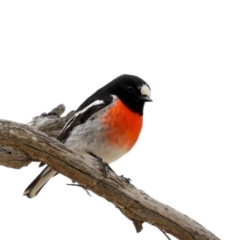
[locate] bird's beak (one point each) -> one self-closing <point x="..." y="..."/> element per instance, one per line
<point x="146" y="98"/>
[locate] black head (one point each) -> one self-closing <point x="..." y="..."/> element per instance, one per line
<point x="132" y="90"/>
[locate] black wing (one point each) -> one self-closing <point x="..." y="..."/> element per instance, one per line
<point x="81" y="116"/>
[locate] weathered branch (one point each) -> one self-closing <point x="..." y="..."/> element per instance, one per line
<point x="50" y="123"/>
<point x="12" y="158"/>
<point x="133" y="203"/>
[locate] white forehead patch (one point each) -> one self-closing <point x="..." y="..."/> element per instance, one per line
<point x="145" y="90"/>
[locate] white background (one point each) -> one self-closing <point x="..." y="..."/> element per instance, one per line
<point x="187" y="156"/>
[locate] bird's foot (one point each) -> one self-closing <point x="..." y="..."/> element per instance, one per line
<point x="104" y="166"/>
<point x="127" y="180"/>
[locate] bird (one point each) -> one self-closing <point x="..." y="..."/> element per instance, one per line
<point x="105" y="126"/>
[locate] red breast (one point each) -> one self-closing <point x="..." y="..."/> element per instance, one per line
<point x="124" y="126"/>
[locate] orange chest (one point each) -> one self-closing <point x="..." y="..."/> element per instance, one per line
<point x="124" y="126"/>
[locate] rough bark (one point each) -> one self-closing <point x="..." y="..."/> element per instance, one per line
<point x="50" y="123"/>
<point x="132" y="202"/>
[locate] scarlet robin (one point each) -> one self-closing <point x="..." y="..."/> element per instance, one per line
<point x="106" y="125"/>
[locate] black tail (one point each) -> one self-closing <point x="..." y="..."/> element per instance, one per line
<point x="38" y="183"/>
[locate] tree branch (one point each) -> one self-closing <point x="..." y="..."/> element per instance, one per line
<point x="12" y="158"/>
<point x="133" y="203"/>
<point x="50" y="123"/>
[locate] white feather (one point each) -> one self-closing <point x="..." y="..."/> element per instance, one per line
<point x="97" y="102"/>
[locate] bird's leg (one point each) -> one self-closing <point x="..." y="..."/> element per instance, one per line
<point x="104" y="166"/>
<point x="79" y="185"/>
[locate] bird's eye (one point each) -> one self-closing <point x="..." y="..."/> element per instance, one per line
<point x="130" y="89"/>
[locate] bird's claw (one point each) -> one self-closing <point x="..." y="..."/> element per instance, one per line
<point x="104" y="166"/>
<point x="78" y="185"/>
<point x="127" y="180"/>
